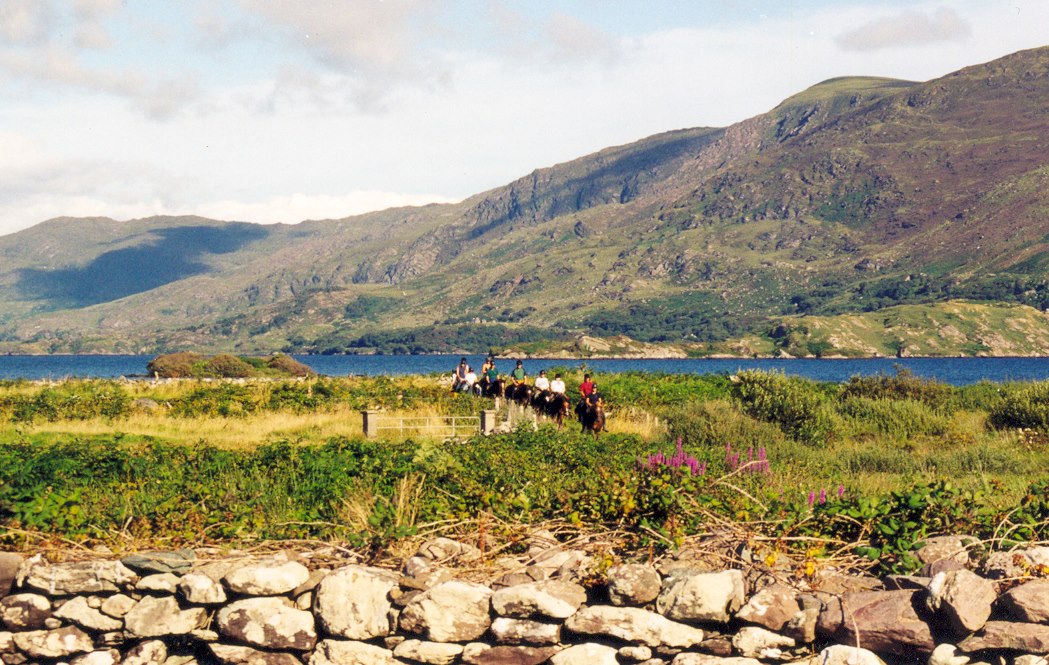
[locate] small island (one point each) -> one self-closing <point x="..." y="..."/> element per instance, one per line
<point x="186" y="365"/>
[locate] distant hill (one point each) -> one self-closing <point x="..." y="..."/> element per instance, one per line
<point x="852" y="197"/>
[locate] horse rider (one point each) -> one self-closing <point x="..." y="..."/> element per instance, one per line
<point x="459" y="375"/>
<point x="518" y="375"/>
<point x="585" y="389"/>
<point x="541" y="382"/>
<point x="557" y="386"/>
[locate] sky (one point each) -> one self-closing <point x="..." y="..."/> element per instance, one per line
<point x="284" y="110"/>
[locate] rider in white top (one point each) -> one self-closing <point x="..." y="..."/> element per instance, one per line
<point x="541" y="382"/>
<point x="557" y="386"/>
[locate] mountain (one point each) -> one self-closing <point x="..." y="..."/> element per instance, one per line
<point x="854" y="196"/>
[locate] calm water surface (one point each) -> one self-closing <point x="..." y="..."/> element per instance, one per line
<point x="957" y="371"/>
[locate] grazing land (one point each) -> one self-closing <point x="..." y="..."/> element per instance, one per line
<point x="870" y="466"/>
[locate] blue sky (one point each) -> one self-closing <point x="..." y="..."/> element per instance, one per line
<point x="284" y="110"/>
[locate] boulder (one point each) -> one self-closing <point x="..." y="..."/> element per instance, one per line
<point x="79" y="612"/>
<point x="772" y="607"/>
<point x="269" y="623"/>
<point x="757" y="642"/>
<point x="632" y="624"/>
<point x="945" y="548"/>
<point x="117" y="605"/>
<point x="634" y="654"/>
<point x="354" y="602"/>
<point x="267" y="578"/>
<point x="706" y="659"/>
<point x="884" y="622"/>
<point x="506" y="630"/>
<point x="448" y="550"/>
<point x="945" y="654"/>
<point x="24" y="611"/>
<point x="692" y="596"/>
<point x="342" y="652"/>
<point x="449" y="612"/>
<point x="432" y="653"/>
<point x="228" y="654"/>
<point x="633" y="584"/>
<point x="586" y="654"/>
<point x="200" y="589"/>
<point x="1028" y="602"/>
<point x="963" y="598"/>
<point x="69" y="579"/>
<point x="10" y="563"/>
<point x="147" y="563"/>
<point x="58" y="643"/>
<point x="1012" y="635"/>
<point x="148" y="652"/>
<point x="555" y="599"/>
<point x="161" y="616"/>
<point x="483" y="654"/>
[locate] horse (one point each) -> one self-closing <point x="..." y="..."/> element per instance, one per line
<point x="592" y="417"/>
<point x="494" y="388"/>
<point x="521" y="393"/>
<point x="555" y="406"/>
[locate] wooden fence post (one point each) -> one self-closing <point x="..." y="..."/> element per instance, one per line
<point x="488" y="421"/>
<point x="370" y="423"/>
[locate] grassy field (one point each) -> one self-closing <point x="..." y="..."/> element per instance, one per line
<point x="878" y="463"/>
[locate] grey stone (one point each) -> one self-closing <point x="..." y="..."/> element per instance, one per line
<point x="148" y="652"/>
<point x="704" y="659"/>
<point x="944" y="654"/>
<point x="117" y="605"/>
<point x="761" y="643"/>
<point x="267" y="578"/>
<point x="432" y="653"/>
<point x="556" y="599"/>
<point x="102" y="657"/>
<point x="692" y="596"/>
<point x="269" y="623"/>
<point x="507" y="630"/>
<point x="963" y="598"/>
<point x="1011" y="635"/>
<point x="633" y="624"/>
<point x="342" y="652"/>
<point x="24" y="611"/>
<point x="483" y="654"/>
<point x="158" y="583"/>
<point x="354" y="602"/>
<point x="840" y="654"/>
<point x="772" y="607"/>
<point x="10" y="563"/>
<point x="53" y="643"/>
<point x="884" y="621"/>
<point x="447" y="550"/>
<point x="160" y="616"/>
<point x="228" y="654"/>
<point x="635" y="654"/>
<point x="449" y="612"/>
<point x="941" y="548"/>
<point x="147" y="563"/>
<point x="68" y="579"/>
<point x="79" y="612"/>
<point x="633" y="584"/>
<point x="200" y="589"/>
<point x="586" y="654"/>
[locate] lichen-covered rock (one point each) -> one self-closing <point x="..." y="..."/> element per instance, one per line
<point x="24" y="611"/>
<point x="117" y="605"/>
<point x="772" y="607"/>
<point x="57" y="643"/>
<point x="10" y="563"/>
<point x="201" y="589"/>
<point x="884" y="621"/>
<point x="963" y="598"/>
<point x="354" y="602"/>
<point x="761" y="643"/>
<point x="484" y="654"/>
<point x="267" y="578"/>
<point x="692" y="596"/>
<point x="446" y="550"/>
<point x="945" y="654"/>
<point x="586" y="654"/>
<point x="237" y="655"/>
<point x="633" y="584"/>
<point x="432" y="653"/>
<point x="342" y="652"/>
<point x="102" y="657"/>
<point x="68" y="579"/>
<point x="941" y="548"/>
<point x="270" y="623"/>
<point x="555" y="599"/>
<point x="705" y="659"/>
<point x="161" y="616"/>
<point x="839" y="654"/>
<point x="633" y="624"/>
<point x="634" y="654"/>
<point x="1028" y="602"/>
<point x="147" y="652"/>
<point x="449" y="612"/>
<point x="507" y="630"/>
<point x="1011" y="635"/>
<point x="79" y="612"/>
<point x="158" y="583"/>
<point x="147" y="563"/>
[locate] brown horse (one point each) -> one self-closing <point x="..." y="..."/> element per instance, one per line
<point x="555" y="406"/>
<point x="592" y="417"/>
<point x="493" y="389"/>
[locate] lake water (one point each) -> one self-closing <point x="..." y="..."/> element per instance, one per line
<point x="956" y="371"/>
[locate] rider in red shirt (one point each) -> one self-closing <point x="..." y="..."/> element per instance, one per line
<point x="586" y="387"/>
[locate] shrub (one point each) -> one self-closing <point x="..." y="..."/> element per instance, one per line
<point x="795" y="405"/>
<point x="900" y="418"/>
<point x="229" y="367"/>
<point x="289" y="366"/>
<point x="175" y="365"/>
<point x="1026" y="407"/>
<point x="903" y="385"/>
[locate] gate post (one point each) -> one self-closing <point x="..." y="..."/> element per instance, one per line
<point x="487" y="421"/>
<point x="370" y="423"/>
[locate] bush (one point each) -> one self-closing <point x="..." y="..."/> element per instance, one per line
<point x="795" y="405"/>
<point x="900" y="418"/>
<point x="903" y="385"/>
<point x="175" y="365"/>
<point x="229" y="367"/>
<point x="1026" y="407"/>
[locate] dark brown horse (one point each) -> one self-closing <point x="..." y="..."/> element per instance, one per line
<point x="493" y="389"/>
<point x="592" y="417"/>
<point x="521" y="393"/>
<point x="555" y="406"/>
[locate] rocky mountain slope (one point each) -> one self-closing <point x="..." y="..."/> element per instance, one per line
<point x="853" y="196"/>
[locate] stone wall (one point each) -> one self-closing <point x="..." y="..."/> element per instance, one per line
<point x="448" y="604"/>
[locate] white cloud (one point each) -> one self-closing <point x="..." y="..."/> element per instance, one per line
<point x="26" y="22"/>
<point x="909" y="28"/>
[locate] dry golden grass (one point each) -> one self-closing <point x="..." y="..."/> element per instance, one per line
<point x="638" y="422"/>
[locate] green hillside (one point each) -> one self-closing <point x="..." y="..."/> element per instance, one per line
<point x="859" y="199"/>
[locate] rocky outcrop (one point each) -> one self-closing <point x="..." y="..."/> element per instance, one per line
<point x="281" y="611"/>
